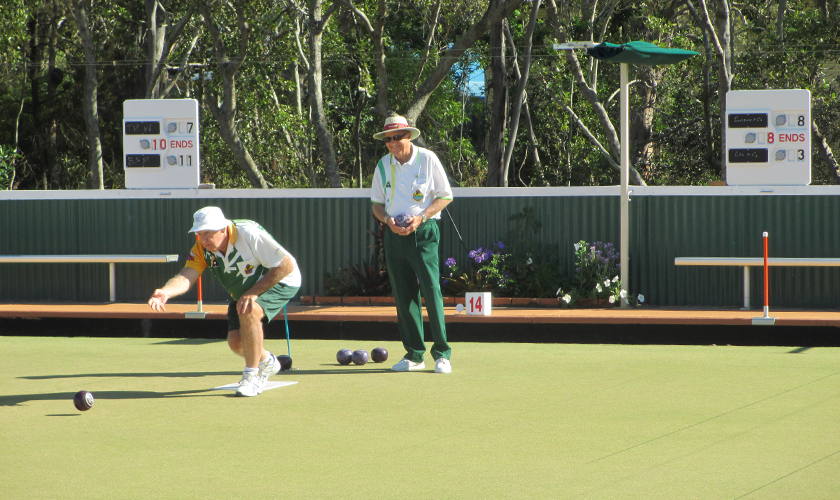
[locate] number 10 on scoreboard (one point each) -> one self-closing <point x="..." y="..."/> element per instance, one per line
<point x="478" y="303"/>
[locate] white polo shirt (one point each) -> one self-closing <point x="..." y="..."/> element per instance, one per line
<point x="412" y="186"/>
<point x="250" y="254"/>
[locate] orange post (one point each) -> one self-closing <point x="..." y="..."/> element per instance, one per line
<point x="766" y="281"/>
<point x="766" y="319"/>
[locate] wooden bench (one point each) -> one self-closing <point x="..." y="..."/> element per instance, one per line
<point x="111" y="260"/>
<point x="747" y="262"/>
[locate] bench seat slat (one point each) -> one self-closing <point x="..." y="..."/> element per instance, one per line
<point x="756" y="261"/>
<point x="100" y="259"/>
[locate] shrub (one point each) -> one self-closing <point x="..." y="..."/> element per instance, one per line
<point x="596" y="274"/>
<point x="483" y="272"/>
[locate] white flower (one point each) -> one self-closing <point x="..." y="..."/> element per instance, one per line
<point x="598" y="288"/>
<point x="640" y="298"/>
<point x="567" y="298"/>
<point x="623" y="294"/>
<point x="577" y="247"/>
<point x="607" y="283"/>
<point x="529" y="261"/>
<point x="615" y="279"/>
<point x="559" y="291"/>
<point x="612" y="299"/>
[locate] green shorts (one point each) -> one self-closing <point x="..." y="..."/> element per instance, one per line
<point x="272" y="302"/>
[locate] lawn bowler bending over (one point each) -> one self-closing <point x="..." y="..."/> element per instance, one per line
<point x="259" y="274"/>
<point x="410" y="180"/>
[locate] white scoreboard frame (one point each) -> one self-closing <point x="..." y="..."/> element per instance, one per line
<point x="768" y="137"/>
<point x="160" y="144"/>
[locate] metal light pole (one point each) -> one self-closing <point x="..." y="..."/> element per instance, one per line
<point x="624" y="139"/>
<point x="629" y="53"/>
<point x="624" y="244"/>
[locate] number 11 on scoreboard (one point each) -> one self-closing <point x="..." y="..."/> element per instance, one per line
<point x="478" y="303"/>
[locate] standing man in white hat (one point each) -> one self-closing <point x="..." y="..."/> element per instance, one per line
<point x="260" y="275"/>
<point x="410" y="180"/>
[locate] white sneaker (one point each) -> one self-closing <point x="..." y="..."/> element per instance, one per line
<point x="249" y="386"/>
<point x="268" y="368"/>
<point x="406" y="364"/>
<point x="442" y="365"/>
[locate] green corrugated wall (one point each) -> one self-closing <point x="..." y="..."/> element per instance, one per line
<point x="329" y="232"/>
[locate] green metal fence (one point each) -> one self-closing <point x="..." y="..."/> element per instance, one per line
<point x="325" y="229"/>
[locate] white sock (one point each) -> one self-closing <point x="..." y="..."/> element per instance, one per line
<point x="251" y="370"/>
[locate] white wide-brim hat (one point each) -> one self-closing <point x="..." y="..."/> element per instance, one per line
<point x="209" y="219"/>
<point x="394" y="123"/>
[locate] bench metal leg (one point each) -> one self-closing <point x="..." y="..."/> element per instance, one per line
<point x="112" y="276"/>
<point x="746" y="288"/>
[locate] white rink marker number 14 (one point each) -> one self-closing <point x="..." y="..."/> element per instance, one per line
<point x="478" y="303"/>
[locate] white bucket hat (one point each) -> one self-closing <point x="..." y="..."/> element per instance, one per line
<point x="394" y="123"/>
<point x="209" y="219"/>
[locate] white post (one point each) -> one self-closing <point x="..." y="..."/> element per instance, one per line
<point x="112" y="278"/>
<point x="746" y="288"/>
<point x="624" y="249"/>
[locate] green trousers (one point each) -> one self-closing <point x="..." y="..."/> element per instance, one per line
<point x="413" y="268"/>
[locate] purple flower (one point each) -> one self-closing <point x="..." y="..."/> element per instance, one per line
<point x="472" y="254"/>
<point x="478" y="259"/>
<point x="445" y="281"/>
<point x="500" y="244"/>
<point x="450" y="262"/>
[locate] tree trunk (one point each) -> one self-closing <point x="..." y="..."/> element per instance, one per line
<point x="158" y="49"/>
<point x="154" y="45"/>
<point x="709" y="155"/>
<point x="317" y="23"/>
<point x="491" y="17"/>
<point x="35" y="52"/>
<point x="54" y="78"/>
<point x="641" y="120"/>
<point x="721" y="39"/>
<point x="825" y="152"/>
<point x="497" y="98"/>
<point x="522" y="81"/>
<point x="592" y="97"/>
<point x="424" y="90"/>
<point x="532" y="138"/>
<point x="225" y="113"/>
<point x="780" y="21"/>
<point x="89" y="99"/>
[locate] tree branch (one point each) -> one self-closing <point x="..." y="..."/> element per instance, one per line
<point x="424" y="91"/>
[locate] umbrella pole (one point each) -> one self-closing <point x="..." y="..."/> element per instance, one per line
<point x="624" y="249"/>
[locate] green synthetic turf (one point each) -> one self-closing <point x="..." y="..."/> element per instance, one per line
<point x="545" y="421"/>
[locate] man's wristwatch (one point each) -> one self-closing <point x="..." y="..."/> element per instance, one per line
<point x="423" y="216"/>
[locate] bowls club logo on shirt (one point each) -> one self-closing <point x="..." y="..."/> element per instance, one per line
<point x="245" y="270"/>
<point x="417" y="195"/>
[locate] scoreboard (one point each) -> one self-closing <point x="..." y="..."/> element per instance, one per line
<point x="160" y="143"/>
<point x="768" y="137"/>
